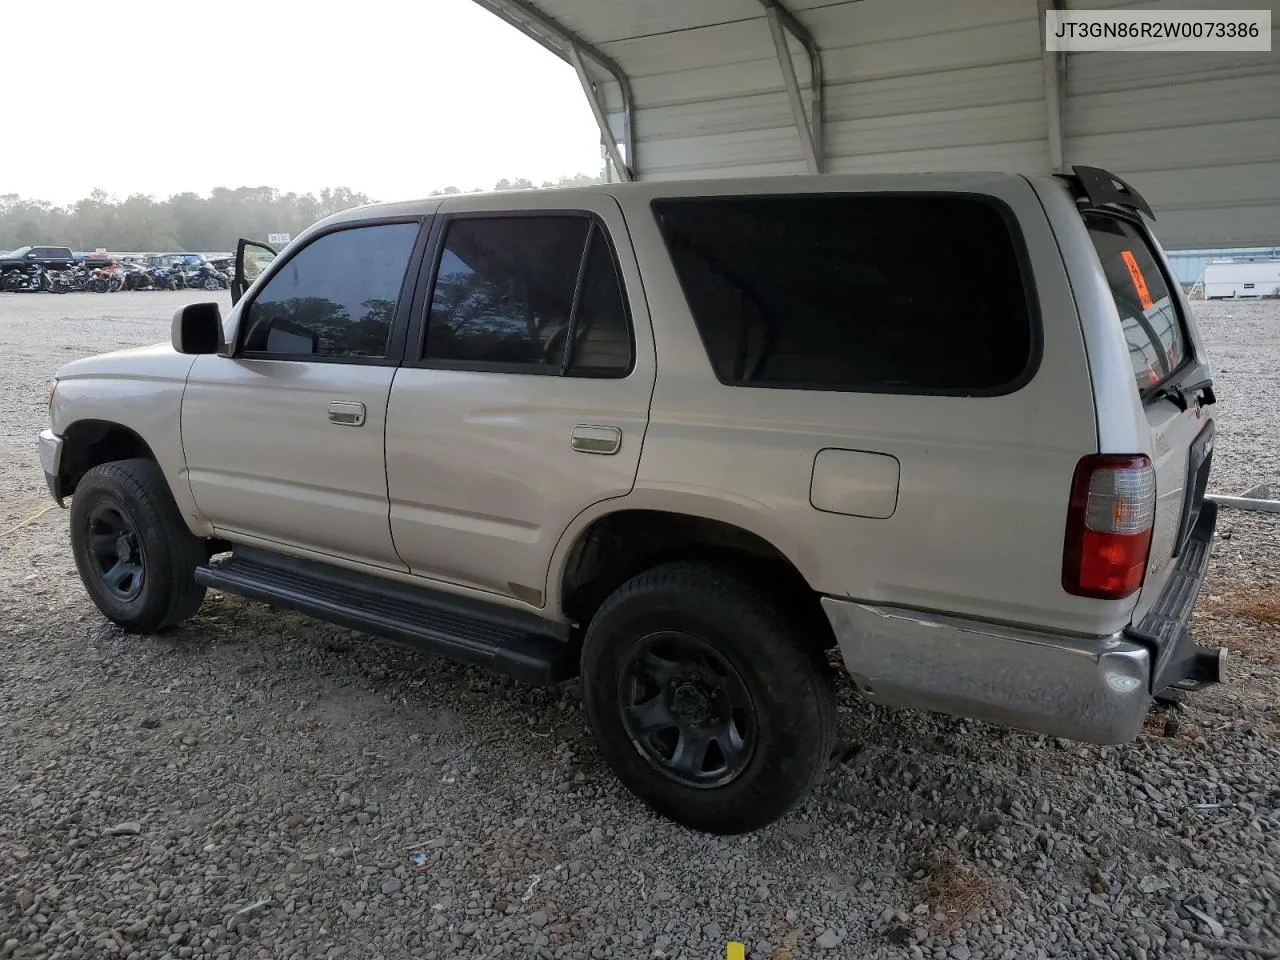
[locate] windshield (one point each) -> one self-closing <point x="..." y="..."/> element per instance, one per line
<point x="1148" y="310"/>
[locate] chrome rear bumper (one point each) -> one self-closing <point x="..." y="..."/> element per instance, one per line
<point x="1096" y="689"/>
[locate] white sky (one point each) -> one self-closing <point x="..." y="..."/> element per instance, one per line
<point x="391" y="98"/>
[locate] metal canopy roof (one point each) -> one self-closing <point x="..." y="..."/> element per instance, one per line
<point x="691" y="88"/>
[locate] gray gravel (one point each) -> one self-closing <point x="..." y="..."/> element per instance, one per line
<point x="256" y="784"/>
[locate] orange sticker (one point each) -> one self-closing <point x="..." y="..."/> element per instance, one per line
<point x="1139" y="282"/>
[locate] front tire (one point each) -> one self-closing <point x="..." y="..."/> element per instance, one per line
<point x="135" y="555"/>
<point x="706" y="698"/>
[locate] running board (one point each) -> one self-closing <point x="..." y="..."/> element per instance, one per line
<point x="508" y="641"/>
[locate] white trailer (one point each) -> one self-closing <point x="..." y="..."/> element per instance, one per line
<point x="1230" y="279"/>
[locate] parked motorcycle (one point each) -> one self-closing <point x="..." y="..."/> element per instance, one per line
<point x="162" y="279"/>
<point x="73" y="280"/>
<point x="55" y="282"/>
<point x="205" y="277"/>
<point x="100" y="282"/>
<point x="24" y="278"/>
<point x="137" y="277"/>
<point x="106" y="280"/>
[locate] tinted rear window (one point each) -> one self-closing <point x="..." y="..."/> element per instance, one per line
<point x="901" y="294"/>
<point x="1148" y="311"/>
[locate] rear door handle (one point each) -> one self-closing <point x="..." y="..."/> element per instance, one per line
<point x="595" y="438"/>
<point x="348" y="413"/>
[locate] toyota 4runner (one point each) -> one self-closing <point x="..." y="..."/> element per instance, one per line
<point x="680" y="440"/>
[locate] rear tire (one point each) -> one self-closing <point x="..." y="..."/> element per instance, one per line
<point x="690" y="661"/>
<point x="135" y="555"/>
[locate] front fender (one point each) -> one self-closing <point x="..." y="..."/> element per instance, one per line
<point x="142" y="391"/>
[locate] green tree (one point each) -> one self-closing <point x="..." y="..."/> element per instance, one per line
<point x="189" y="221"/>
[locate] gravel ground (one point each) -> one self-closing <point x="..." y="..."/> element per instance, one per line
<point x="256" y="784"/>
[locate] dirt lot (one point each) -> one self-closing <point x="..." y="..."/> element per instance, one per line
<point x="259" y="785"/>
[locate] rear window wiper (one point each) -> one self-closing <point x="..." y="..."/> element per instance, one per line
<point x="1179" y="393"/>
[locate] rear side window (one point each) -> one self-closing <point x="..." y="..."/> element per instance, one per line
<point x="504" y="290"/>
<point x="1148" y="311"/>
<point x="887" y="293"/>
<point x="529" y="294"/>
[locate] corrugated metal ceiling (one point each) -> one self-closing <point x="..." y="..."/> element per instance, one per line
<point x="916" y="85"/>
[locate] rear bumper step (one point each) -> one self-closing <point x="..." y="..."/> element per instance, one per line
<point x="1176" y="658"/>
<point x="521" y="646"/>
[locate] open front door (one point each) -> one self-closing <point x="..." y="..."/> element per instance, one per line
<point x="252" y="258"/>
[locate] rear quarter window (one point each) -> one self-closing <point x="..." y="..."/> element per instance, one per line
<point x="875" y="293"/>
<point x="1153" y="329"/>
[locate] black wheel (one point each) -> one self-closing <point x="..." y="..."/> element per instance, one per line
<point x="134" y="552"/>
<point x="706" y="698"/>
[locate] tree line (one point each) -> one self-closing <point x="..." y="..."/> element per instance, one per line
<point x="190" y="221"/>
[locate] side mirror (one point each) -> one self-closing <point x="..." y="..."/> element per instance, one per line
<point x="197" y="328"/>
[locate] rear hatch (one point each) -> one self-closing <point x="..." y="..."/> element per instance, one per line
<point x="1173" y="382"/>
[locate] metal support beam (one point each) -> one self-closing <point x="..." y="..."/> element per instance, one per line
<point x="1054" y="63"/>
<point x="782" y="22"/>
<point x="597" y="109"/>
<point x="573" y="49"/>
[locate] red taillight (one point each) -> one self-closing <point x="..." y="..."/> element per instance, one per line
<point x="1109" y="519"/>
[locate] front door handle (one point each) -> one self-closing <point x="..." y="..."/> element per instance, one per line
<point x="595" y="438"/>
<point x="348" y="413"/>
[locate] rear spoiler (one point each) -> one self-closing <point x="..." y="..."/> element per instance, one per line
<point x="1101" y="187"/>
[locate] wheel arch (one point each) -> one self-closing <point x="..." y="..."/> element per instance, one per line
<point x="620" y="539"/>
<point x="86" y="443"/>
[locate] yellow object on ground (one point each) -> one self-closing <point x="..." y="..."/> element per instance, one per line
<point x="30" y="519"/>
<point x="733" y="950"/>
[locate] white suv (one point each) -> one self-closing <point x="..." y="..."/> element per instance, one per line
<point x="681" y="439"/>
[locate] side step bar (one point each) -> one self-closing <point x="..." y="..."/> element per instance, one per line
<point x="508" y="641"/>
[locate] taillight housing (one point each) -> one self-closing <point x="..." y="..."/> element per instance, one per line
<point x="1109" y="521"/>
